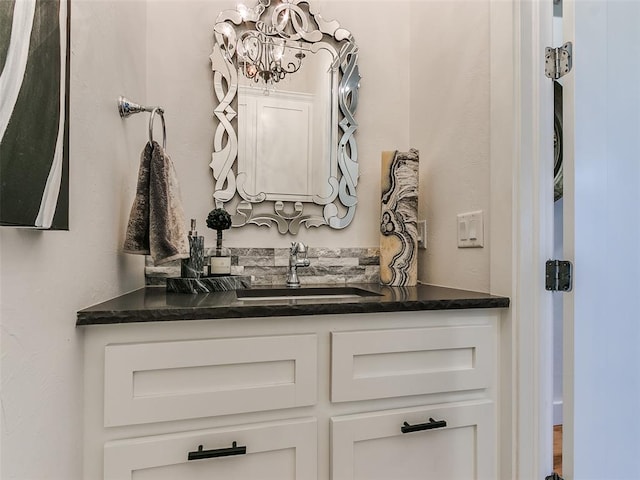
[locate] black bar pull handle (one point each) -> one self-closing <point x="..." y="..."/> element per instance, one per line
<point x="218" y="452"/>
<point x="430" y="425"/>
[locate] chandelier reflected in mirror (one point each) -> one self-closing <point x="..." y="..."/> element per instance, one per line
<point x="267" y="59"/>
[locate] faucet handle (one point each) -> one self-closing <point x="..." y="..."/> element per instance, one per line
<point x="298" y="247"/>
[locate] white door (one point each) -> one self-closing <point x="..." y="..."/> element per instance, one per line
<point x="602" y="239"/>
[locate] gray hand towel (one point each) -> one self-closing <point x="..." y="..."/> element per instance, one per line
<point x="157" y="223"/>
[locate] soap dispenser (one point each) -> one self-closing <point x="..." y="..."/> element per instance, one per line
<point x="192" y="267"/>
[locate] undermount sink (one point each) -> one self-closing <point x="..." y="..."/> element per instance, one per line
<point x="285" y="293"/>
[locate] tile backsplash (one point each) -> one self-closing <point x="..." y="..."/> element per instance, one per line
<point x="268" y="266"/>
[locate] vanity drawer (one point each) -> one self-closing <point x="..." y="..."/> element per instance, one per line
<point x="283" y="450"/>
<point x="162" y="381"/>
<point x="393" y="363"/>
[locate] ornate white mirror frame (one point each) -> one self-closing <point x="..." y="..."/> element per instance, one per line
<point x="293" y="23"/>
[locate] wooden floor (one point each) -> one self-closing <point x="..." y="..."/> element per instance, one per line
<point x="557" y="449"/>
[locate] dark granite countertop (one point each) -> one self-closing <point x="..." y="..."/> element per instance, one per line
<point x="154" y="304"/>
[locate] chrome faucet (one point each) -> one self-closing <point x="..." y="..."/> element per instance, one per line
<point x="297" y="258"/>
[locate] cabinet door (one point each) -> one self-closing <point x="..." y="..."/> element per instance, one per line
<point x="275" y="450"/>
<point x="372" y="446"/>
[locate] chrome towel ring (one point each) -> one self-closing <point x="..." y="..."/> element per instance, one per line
<point x="126" y="107"/>
<point x="160" y="112"/>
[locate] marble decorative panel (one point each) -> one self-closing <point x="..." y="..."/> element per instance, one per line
<point x="221" y="283"/>
<point x="399" y="219"/>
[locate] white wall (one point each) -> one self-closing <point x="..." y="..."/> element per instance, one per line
<point x="558" y="216"/>
<point x="180" y="78"/>
<point x="425" y="84"/>
<point x="449" y="124"/>
<point x="557" y="315"/>
<point x="47" y="276"/>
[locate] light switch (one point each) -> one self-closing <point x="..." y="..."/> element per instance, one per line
<point x="462" y="229"/>
<point x="422" y="234"/>
<point x="471" y="230"/>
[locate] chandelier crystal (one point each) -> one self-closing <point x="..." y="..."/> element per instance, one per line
<point x="267" y="59"/>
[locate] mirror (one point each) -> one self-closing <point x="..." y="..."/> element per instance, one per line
<point x="302" y="108"/>
<point x="286" y="82"/>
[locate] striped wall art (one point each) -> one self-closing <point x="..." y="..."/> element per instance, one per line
<point x="34" y="105"/>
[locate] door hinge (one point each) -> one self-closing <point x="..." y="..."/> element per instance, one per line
<point x="558" y="61"/>
<point x="558" y="275"/>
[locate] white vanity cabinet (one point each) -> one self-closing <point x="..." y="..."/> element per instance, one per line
<point x="303" y="397"/>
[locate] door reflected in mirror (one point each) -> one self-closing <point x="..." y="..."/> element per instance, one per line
<point x="287" y="131"/>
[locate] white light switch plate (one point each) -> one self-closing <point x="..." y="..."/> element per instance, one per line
<point x="471" y="229"/>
